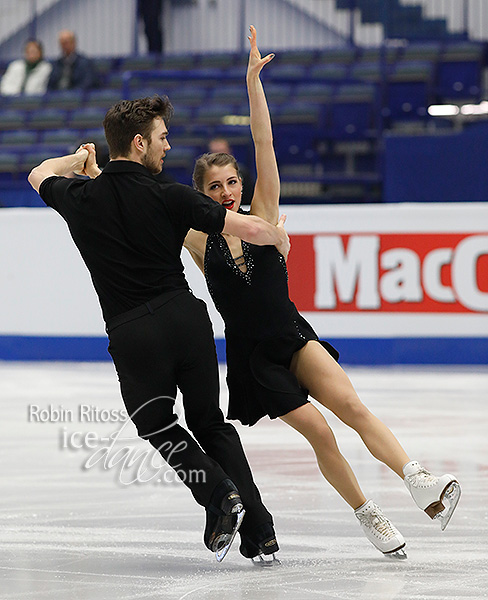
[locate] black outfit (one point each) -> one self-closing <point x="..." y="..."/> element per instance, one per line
<point x="75" y="71"/>
<point x="151" y="12"/>
<point x="263" y="330"/>
<point x="129" y="229"/>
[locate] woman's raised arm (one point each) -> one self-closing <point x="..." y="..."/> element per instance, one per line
<point x="265" y="202"/>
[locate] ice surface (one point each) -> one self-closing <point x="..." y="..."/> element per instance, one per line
<point x="70" y="532"/>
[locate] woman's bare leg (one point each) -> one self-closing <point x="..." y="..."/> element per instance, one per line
<point x="312" y="425"/>
<point x="318" y="372"/>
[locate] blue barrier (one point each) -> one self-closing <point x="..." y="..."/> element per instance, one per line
<point x="353" y="351"/>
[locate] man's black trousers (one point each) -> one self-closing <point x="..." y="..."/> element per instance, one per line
<point x="168" y="344"/>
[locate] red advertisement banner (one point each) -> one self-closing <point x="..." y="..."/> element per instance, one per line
<point x="385" y="272"/>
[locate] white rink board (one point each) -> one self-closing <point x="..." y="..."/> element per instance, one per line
<point x="47" y="290"/>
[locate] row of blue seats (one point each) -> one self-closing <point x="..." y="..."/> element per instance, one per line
<point x="428" y="50"/>
<point x="187" y="93"/>
<point x="323" y="118"/>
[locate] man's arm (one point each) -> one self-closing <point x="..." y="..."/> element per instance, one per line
<point x="59" y="166"/>
<point x="257" y="231"/>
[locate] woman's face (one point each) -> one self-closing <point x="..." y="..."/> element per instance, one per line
<point x="224" y="186"/>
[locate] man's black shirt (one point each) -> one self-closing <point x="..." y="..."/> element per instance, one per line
<point x="129" y="229"/>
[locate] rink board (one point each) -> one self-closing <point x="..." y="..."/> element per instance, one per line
<point x="389" y="284"/>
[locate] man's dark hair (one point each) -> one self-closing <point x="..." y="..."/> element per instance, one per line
<point x="127" y="118"/>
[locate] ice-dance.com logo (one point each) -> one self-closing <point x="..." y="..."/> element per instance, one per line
<point x="120" y="451"/>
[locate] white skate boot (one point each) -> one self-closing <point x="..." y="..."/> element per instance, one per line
<point x="429" y="492"/>
<point x="380" y="531"/>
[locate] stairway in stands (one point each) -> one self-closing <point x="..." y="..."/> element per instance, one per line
<point x="399" y="20"/>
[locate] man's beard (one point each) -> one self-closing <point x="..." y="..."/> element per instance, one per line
<point x="151" y="165"/>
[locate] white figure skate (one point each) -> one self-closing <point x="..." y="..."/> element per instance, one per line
<point x="380" y="531"/>
<point x="430" y="492"/>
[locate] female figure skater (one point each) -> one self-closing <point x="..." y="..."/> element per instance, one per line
<point x="274" y="358"/>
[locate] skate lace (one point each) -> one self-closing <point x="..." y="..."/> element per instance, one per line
<point x="377" y="520"/>
<point x="423" y="477"/>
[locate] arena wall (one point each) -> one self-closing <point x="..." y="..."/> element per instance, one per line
<point x="393" y="284"/>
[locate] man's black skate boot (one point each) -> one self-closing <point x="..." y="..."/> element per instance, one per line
<point x="260" y="543"/>
<point x="224" y="517"/>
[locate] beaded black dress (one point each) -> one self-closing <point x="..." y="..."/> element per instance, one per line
<point x="263" y="330"/>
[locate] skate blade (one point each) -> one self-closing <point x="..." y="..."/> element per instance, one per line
<point x="399" y="554"/>
<point x="223" y="542"/>
<point x="265" y="561"/>
<point x="452" y="494"/>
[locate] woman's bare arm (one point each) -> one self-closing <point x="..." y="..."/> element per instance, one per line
<point x="265" y="202"/>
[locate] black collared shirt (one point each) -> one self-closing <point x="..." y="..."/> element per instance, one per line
<point x="129" y="229"/>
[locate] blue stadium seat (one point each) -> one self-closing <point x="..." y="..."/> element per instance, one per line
<point x="179" y="163"/>
<point x="183" y="116"/>
<point x="459" y="72"/>
<point x="328" y="72"/>
<point x="277" y="93"/>
<point x="425" y="51"/>
<point x="230" y="93"/>
<point x="188" y="94"/>
<point x="11" y="119"/>
<point x="26" y="103"/>
<point x="352" y="112"/>
<point x="313" y="92"/>
<point x="409" y="90"/>
<point x="103" y="98"/>
<point x="370" y="71"/>
<point x="20" y="138"/>
<point x="337" y="56"/>
<point x="60" y="136"/>
<point x="87" y="117"/>
<point x="221" y="60"/>
<point x="145" y="89"/>
<point x="300" y="113"/>
<point x="213" y="114"/>
<point x="302" y="58"/>
<point x="65" y="99"/>
<point x="179" y="61"/>
<point x="48" y="118"/>
<point x="387" y="54"/>
<point x="287" y="73"/>
<point x="8" y="162"/>
<point x="139" y="63"/>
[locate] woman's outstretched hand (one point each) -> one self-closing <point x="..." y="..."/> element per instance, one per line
<point x="256" y="62"/>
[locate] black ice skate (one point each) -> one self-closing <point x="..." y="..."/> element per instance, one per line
<point x="261" y="546"/>
<point x="224" y="517"/>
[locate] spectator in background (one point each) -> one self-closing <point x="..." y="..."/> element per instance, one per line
<point x="28" y="75"/>
<point x="221" y="145"/>
<point x="72" y="70"/>
<point x="151" y="13"/>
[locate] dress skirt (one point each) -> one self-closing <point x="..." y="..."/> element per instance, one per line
<point x="258" y="376"/>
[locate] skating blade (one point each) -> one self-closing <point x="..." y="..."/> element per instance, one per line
<point x="452" y="495"/>
<point x="398" y="554"/>
<point x="224" y="542"/>
<point x="263" y="561"/>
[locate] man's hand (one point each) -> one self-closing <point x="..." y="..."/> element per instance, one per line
<point x="283" y="246"/>
<point x="81" y="156"/>
<point x="90" y="167"/>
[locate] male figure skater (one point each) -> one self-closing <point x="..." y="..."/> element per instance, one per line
<point x="129" y="229"/>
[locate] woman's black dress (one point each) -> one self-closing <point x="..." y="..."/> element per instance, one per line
<point x="263" y="330"/>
